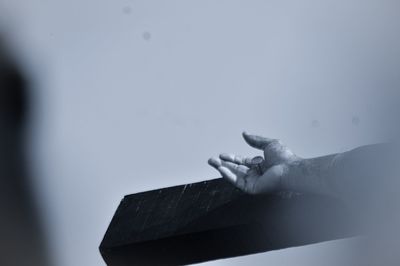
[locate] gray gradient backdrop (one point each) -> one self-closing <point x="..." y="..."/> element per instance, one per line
<point x="125" y="84"/>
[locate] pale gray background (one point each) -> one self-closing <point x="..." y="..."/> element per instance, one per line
<point x="120" y="84"/>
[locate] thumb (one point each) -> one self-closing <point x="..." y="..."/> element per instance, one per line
<point x="257" y="142"/>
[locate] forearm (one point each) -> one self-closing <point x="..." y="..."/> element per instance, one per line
<point x="343" y="175"/>
<point x="313" y="175"/>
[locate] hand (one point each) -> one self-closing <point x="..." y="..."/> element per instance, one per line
<point x="236" y="169"/>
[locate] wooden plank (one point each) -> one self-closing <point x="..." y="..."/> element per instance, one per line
<point x="212" y="220"/>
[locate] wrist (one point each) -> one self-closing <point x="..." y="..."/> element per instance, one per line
<point x="289" y="180"/>
<point x="309" y="175"/>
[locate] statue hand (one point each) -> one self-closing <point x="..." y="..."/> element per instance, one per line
<point x="237" y="169"/>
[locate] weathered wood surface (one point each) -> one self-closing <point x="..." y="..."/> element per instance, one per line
<point x="211" y="220"/>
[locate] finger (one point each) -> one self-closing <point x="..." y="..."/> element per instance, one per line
<point x="227" y="174"/>
<point x="239" y="170"/>
<point x="238" y="180"/>
<point x="229" y="157"/>
<point x="215" y="162"/>
<point x="257" y="142"/>
<point x="234" y="168"/>
<point x="236" y="174"/>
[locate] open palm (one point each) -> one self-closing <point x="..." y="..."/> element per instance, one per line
<point x="239" y="171"/>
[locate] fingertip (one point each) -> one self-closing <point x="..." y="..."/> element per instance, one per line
<point x="247" y="137"/>
<point x="256" y="141"/>
<point x="225" y="156"/>
<point x="214" y="162"/>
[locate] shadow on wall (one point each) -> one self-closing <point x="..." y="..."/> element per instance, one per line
<point x="21" y="241"/>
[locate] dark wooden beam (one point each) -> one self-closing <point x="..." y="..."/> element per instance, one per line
<point x="212" y="220"/>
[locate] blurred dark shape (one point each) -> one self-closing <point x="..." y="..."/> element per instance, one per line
<point x="315" y="123"/>
<point x="21" y="238"/>
<point x="146" y="36"/>
<point x="127" y="10"/>
<point x="355" y="120"/>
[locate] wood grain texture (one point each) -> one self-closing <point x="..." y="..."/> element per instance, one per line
<point x="212" y="219"/>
